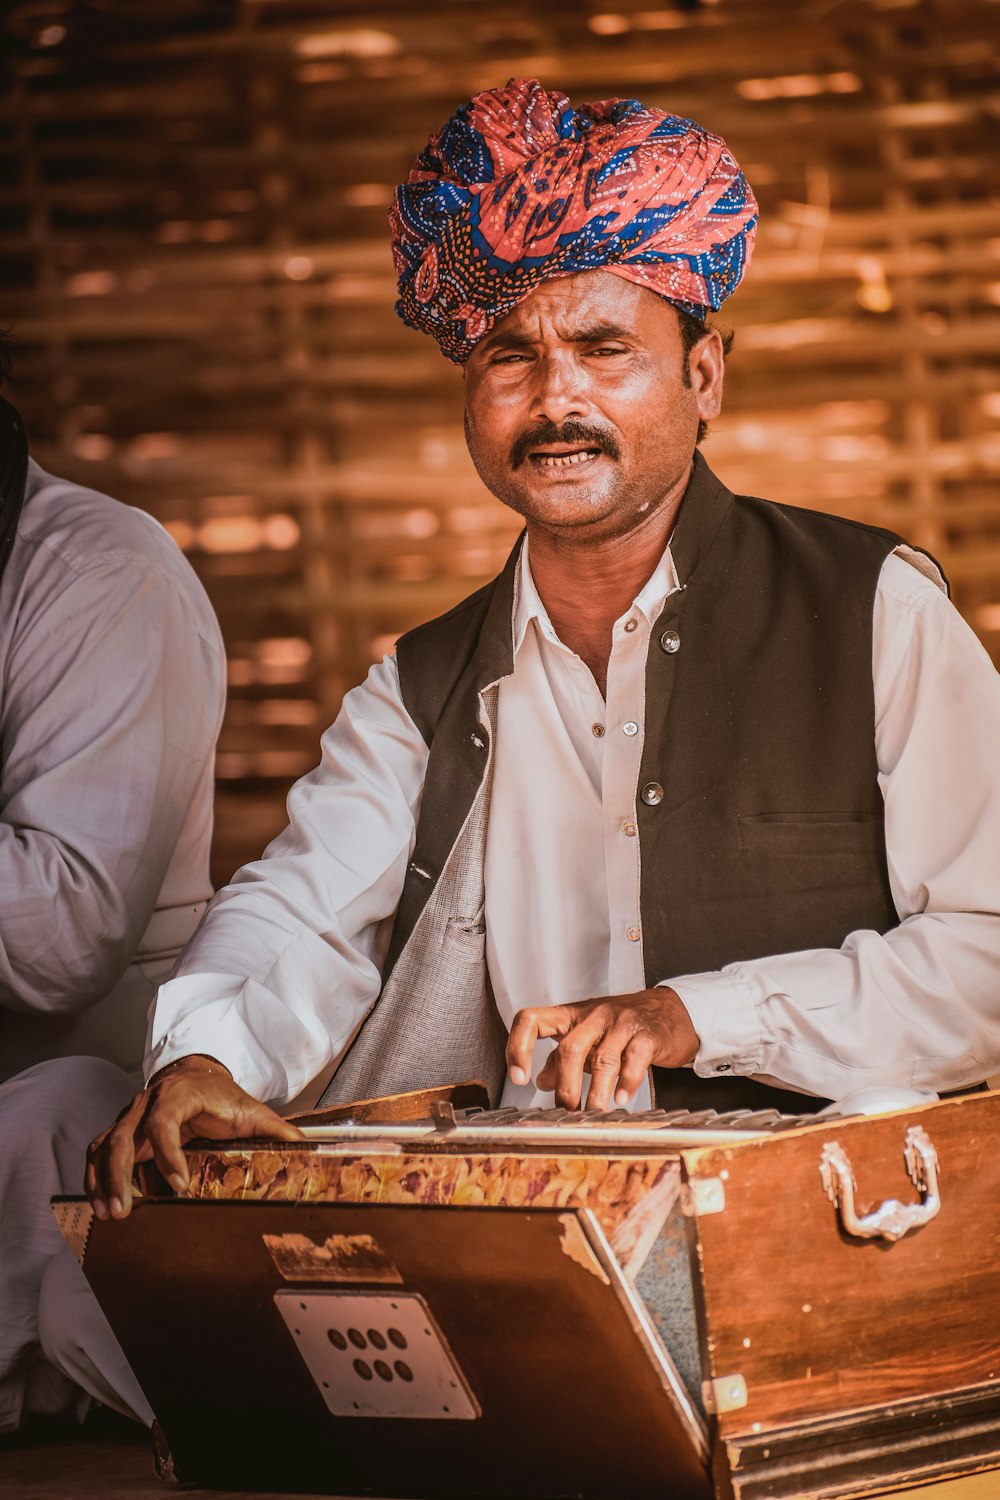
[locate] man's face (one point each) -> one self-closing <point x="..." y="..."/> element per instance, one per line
<point x="582" y="408"/>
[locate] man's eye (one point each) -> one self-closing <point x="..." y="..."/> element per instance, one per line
<point x="606" y="349"/>
<point x="509" y="359"/>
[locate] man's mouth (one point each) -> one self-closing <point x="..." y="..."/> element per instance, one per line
<point x="563" y="458"/>
<point x="553" y="449"/>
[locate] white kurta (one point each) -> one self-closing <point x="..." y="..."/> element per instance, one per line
<point x="114" y="680"/>
<point x="287" y="961"/>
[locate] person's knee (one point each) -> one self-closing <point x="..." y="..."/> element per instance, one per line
<point x="64" y="1103"/>
<point x="77" y="1085"/>
<point x="70" y="1089"/>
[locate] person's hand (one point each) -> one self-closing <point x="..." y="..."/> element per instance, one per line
<point x="614" y="1040"/>
<point x="195" y="1096"/>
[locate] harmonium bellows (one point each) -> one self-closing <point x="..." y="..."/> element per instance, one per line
<point x="427" y="1297"/>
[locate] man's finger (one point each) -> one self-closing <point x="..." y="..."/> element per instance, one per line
<point x="531" y="1025"/>
<point x="93" y="1179"/>
<point x="163" y="1133"/>
<point x="119" y="1156"/>
<point x="573" y="1048"/>
<point x="265" y="1123"/>
<point x="580" y="1025"/>
<point x="104" y="1159"/>
<point x="605" y="1066"/>
<point x="563" y="1071"/>
<point x="635" y="1062"/>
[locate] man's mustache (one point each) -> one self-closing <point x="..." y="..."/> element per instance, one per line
<point x="578" y="433"/>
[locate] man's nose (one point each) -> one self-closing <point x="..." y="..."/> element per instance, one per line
<point x="560" y="390"/>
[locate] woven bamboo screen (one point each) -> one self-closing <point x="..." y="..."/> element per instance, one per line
<point x="195" y="266"/>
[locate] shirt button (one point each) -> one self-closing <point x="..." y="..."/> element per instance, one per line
<point x="629" y="830"/>
<point x="630" y="728"/>
<point x="631" y="625"/>
<point x="724" y="1068"/>
<point x="633" y="934"/>
<point x="652" y="793"/>
<point x="670" y="642"/>
<point x="597" y="730"/>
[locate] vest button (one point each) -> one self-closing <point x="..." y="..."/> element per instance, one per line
<point x="652" y="793"/>
<point x="670" y="642"/>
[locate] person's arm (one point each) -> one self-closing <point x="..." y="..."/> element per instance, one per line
<point x="112" y="700"/>
<point x="917" y="1006"/>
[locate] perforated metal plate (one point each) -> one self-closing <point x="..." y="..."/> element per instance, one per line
<point x="377" y="1354"/>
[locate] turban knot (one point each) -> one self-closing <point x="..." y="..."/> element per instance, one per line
<point x="519" y="187"/>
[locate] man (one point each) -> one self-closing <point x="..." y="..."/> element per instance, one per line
<point x="699" y="783"/>
<point x="113" y="675"/>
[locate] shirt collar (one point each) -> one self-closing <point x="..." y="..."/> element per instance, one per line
<point x="37" y="477"/>
<point x="528" y="604"/>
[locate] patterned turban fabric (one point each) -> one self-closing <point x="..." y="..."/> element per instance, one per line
<point x="519" y="187"/>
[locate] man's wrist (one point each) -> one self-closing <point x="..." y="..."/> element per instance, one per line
<point x="193" y="1062"/>
<point x="722" y="1008"/>
<point x="684" y="1041"/>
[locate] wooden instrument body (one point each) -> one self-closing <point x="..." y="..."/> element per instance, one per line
<point x="828" y="1362"/>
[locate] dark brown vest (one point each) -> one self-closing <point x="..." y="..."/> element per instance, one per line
<point x="760" y="815"/>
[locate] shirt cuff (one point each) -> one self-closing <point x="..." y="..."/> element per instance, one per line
<point x="209" y="1041"/>
<point x="724" y="1015"/>
<point x="214" y="1029"/>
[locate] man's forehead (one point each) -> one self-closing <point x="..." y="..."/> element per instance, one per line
<point x="579" y="305"/>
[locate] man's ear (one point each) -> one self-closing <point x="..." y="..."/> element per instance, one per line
<point x="707" y="367"/>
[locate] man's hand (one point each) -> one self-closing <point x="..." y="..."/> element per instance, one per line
<point x="195" y="1096"/>
<point x="614" y="1040"/>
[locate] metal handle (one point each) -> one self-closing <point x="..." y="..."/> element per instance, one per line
<point x="892" y="1219"/>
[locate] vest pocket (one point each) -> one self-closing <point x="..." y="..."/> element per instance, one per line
<point x="464" y="939"/>
<point x="809" y="834"/>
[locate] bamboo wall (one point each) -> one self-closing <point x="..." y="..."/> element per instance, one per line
<point x="195" y="266"/>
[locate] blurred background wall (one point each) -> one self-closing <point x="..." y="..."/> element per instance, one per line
<point x="195" y="267"/>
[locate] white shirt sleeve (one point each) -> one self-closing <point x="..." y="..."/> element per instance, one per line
<point x="112" y="700"/>
<point x="919" y="1005"/>
<point x="287" y="961"/>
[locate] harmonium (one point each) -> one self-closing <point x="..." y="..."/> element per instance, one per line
<point x="429" y="1297"/>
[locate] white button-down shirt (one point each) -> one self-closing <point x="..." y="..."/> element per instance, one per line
<point x="287" y="962"/>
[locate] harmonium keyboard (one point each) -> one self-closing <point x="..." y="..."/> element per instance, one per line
<point x="428" y="1297"/>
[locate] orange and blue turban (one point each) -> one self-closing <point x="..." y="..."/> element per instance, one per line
<point x="519" y="187"/>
